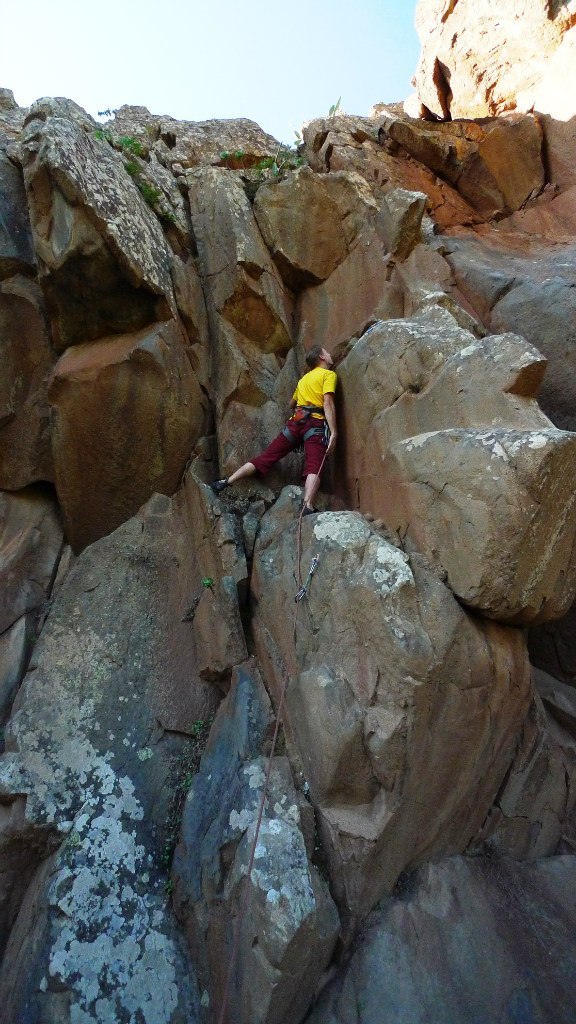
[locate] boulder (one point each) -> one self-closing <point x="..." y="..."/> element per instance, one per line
<point x="127" y="411"/>
<point x="214" y="605"/>
<point x="97" y="748"/>
<point x="16" y="249"/>
<point x="288" y="927"/>
<point x="400" y="221"/>
<point x="30" y="548"/>
<point x="104" y="264"/>
<point x="311" y="222"/>
<point x="477" y="61"/>
<point x="446" y="443"/>
<point x="526" y="287"/>
<point x="464" y="940"/>
<point x="242" y="283"/>
<point x="402" y="710"/>
<point x="361" y="145"/>
<point x="27" y="357"/>
<point x="189" y="144"/>
<point x="355" y="296"/>
<point x="496" y="165"/>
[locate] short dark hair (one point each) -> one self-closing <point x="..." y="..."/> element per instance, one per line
<point x="313" y="356"/>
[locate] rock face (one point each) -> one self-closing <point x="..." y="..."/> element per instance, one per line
<point x="381" y="689"/>
<point x="136" y="397"/>
<point x="103" y="724"/>
<point x="160" y="282"/>
<point x="288" y="934"/>
<point x="432" y="396"/>
<point x="433" y="952"/>
<point x="27" y="358"/>
<point x="103" y="261"/>
<point x="477" y="61"/>
<point x="30" y="547"/>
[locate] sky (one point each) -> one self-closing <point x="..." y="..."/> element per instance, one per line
<point x="279" y="62"/>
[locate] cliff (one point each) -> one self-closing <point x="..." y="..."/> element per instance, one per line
<point x="404" y="851"/>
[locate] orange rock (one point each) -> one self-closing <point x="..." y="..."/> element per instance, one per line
<point x="127" y="411"/>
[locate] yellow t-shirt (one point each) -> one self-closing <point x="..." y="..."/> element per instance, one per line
<point x="312" y="387"/>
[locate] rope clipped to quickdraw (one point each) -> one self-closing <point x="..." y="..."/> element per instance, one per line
<point x="304" y="588"/>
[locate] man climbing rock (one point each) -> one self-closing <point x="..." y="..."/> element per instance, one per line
<point x="313" y="423"/>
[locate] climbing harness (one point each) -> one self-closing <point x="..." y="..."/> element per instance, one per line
<point x="304" y="588"/>
<point x="302" y="592"/>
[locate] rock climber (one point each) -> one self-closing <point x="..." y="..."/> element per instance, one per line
<point x="313" y="423"/>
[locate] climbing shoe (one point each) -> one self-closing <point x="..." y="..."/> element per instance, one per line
<point x="307" y="510"/>
<point x="219" y="485"/>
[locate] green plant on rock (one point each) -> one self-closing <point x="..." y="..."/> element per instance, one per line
<point x="184" y="769"/>
<point x="335" y="108"/>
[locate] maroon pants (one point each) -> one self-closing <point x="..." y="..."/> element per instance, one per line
<point x="314" y="448"/>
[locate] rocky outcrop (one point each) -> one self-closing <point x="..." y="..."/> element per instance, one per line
<point x="30" y="548"/>
<point x="104" y="264"/>
<point x="27" y="358"/>
<point x="372" y="711"/>
<point x="104" y="724"/>
<point x="288" y="933"/>
<point x="477" y="61"/>
<point x="159" y="284"/>
<point x="462" y="940"/>
<point x="136" y="398"/>
<point x="441" y="427"/>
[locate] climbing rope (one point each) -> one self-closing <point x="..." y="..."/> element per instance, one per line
<point x="302" y="592"/>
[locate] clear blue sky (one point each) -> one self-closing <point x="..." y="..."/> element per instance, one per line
<point x="279" y="63"/>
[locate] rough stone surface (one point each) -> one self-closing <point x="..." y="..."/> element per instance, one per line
<point x="361" y="144"/>
<point x="134" y="397"/>
<point x="465" y="940"/>
<point x="26" y="356"/>
<point x="355" y="296"/>
<point x="16" y="250"/>
<point x="400" y="221"/>
<point x="30" y="546"/>
<point x="311" y="222"/>
<point x="390" y="684"/>
<point x="477" y="61"/>
<point x="192" y="143"/>
<point x="94" y="750"/>
<point x="243" y="283"/>
<point x="290" y="924"/>
<point x="445" y="441"/>
<point x="528" y="289"/>
<point x="103" y="261"/>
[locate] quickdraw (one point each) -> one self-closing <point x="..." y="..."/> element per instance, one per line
<point x="304" y="588"/>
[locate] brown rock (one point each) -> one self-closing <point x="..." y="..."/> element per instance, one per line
<point x="27" y="358"/>
<point x="192" y="309"/>
<point x="242" y="283"/>
<point x="31" y="543"/>
<point x="289" y="923"/>
<point x="104" y="731"/>
<point x="103" y="261"/>
<point x="466" y="939"/>
<point x="399" y="705"/>
<point x="536" y="803"/>
<point x="477" y="61"/>
<point x="357" y="294"/>
<point x="445" y="442"/>
<point x="495" y="165"/>
<point x="214" y="601"/>
<point x="16" y="250"/>
<point x="127" y="412"/>
<point x="360" y="144"/>
<point x="311" y="222"/>
<point x="399" y="221"/>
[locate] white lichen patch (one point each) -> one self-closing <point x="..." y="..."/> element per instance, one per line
<point x="343" y="528"/>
